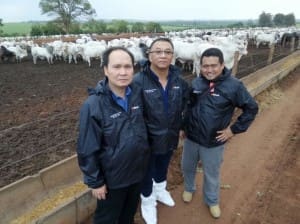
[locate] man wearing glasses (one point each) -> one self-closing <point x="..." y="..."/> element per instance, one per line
<point x="165" y="94"/>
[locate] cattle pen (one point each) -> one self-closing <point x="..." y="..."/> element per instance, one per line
<point x="38" y="142"/>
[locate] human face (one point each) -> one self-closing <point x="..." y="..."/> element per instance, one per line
<point x="119" y="70"/>
<point x="211" y="68"/>
<point x="160" y="55"/>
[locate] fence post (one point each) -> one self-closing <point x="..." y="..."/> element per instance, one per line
<point x="292" y="44"/>
<point x="271" y="54"/>
<point x="235" y="63"/>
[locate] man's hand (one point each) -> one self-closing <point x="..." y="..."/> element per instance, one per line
<point x="224" y="135"/>
<point x="100" y="193"/>
<point x="181" y="135"/>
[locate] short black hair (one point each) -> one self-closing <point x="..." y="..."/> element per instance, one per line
<point x="213" y="52"/>
<point x="107" y="52"/>
<point x="165" y="39"/>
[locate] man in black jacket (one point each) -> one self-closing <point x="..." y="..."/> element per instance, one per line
<point x="165" y="94"/>
<point x="213" y="99"/>
<point x="113" y="148"/>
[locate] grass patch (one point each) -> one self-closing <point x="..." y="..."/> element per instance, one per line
<point x="21" y="28"/>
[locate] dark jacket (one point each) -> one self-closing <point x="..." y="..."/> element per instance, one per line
<point x="210" y="111"/>
<point x="163" y="124"/>
<point x="112" y="144"/>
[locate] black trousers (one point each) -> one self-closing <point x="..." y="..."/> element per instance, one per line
<point x="157" y="171"/>
<point x="119" y="207"/>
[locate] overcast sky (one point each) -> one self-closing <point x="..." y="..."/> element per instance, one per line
<point x="153" y="10"/>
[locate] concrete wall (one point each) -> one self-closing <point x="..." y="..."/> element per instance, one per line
<point x="263" y="78"/>
<point x="74" y="211"/>
<point x="23" y="195"/>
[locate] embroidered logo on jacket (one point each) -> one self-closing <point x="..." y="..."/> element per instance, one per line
<point x="197" y="91"/>
<point x="176" y="87"/>
<point x="114" y="116"/>
<point x="135" y="107"/>
<point x="150" y="90"/>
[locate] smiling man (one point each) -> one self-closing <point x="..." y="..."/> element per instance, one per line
<point x="213" y="99"/>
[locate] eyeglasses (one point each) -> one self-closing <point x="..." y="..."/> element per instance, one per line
<point x="161" y="52"/>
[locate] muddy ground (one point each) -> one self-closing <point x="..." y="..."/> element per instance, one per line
<point x="260" y="173"/>
<point x="39" y="112"/>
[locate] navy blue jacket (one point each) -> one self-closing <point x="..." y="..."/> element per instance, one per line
<point x="163" y="126"/>
<point x="112" y="144"/>
<point x="212" y="111"/>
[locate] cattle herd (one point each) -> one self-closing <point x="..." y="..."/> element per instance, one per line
<point x="188" y="45"/>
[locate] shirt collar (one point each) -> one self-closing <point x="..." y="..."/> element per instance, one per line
<point x="127" y="93"/>
<point x="152" y="73"/>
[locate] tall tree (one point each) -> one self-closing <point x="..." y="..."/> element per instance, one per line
<point x="66" y="11"/>
<point x="94" y="26"/>
<point x="153" y="27"/>
<point x="265" y="19"/>
<point x="279" y="19"/>
<point x="290" y="20"/>
<point x="36" y="30"/>
<point x="121" y="26"/>
<point x="138" y="27"/>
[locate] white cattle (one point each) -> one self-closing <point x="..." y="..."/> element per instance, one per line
<point x="115" y="43"/>
<point x="8" y="43"/>
<point x="139" y="52"/>
<point x="83" y="40"/>
<point x="58" y="49"/>
<point x="19" y="52"/>
<point x="42" y="52"/>
<point x="72" y="51"/>
<point x="93" y="49"/>
<point x="266" y="38"/>
<point x="185" y="52"/>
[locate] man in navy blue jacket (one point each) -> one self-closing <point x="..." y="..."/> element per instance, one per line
<point x="113" y="148"/>
<point x="213" y="99"/>
<point x="165" y="95"/>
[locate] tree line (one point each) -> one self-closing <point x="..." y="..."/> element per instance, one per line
<point x="97" y="27"/>
<point x="278" y="20"/>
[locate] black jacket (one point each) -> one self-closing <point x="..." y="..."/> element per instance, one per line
<point x="211" y="111"/>
<point x="112" y="144"/>
<point x="163" y="126"/>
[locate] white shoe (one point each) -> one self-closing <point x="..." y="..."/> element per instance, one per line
<point x="215" y="211"/>
<point x="148" y="208"/>
<point x="187" y="196"/>
<point x="162" y="195"/>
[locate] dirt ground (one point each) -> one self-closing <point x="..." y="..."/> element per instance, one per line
<point x="39" y="113"/>
<point x="260" y="172"/>
<point x="260" y="181"/>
